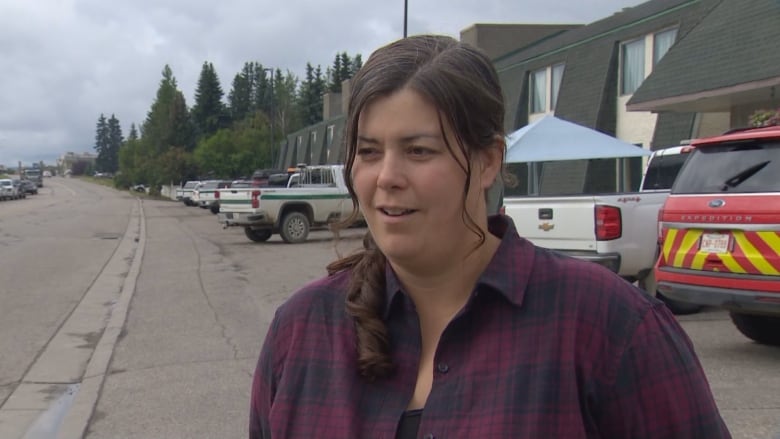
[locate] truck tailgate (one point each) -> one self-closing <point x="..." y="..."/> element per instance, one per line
<point x="561" y="223"/>
<point x="236" y="199"/>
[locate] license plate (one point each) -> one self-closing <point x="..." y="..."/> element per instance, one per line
<point x="714" y="243"/>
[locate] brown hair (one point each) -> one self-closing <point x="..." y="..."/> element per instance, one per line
<point x="463" y="85"/>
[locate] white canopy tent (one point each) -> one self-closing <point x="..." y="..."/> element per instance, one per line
<point x="552" y="139"/>
<point x="557" y="155"/>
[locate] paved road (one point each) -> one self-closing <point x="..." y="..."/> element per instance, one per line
<point x="186" y="305"/>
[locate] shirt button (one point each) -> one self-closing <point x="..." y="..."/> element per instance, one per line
<point x="443" y="367"/>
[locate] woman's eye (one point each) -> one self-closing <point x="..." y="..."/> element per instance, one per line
<point x="367" y="152"/>
<point x="420" y="151"/>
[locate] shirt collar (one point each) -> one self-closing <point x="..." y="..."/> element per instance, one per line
<point x="507" y="273"/>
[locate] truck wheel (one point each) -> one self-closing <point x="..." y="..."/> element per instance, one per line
<point x="759" y="328"/>
<point x="295" y="228"/>
<point x="260" y="235"/>
<point x="677" y="307"/>
<point x="214" y="208"/>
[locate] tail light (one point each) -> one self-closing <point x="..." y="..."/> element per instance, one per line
<point x="255" y="199"/>
<point x="608" y="223"/>
<point x="660" y="224"/>
<point x="216" y="194"/>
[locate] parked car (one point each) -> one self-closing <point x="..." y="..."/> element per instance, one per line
<point x="720" y="231"/>
<point x="20" y="192"/>
<point x="184" y="193"/>
<point x="7" y="189"/>
<point x="29" y="187"/>
<point x="204" y="194"/>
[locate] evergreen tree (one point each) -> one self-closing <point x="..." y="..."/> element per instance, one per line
<point x="241" y="96"/>
<point x="133" y="136"/>
<point x="346" y="67"/>
<point x="263" y="88"/>
<point x="167" y="124"/>
<point x="334" y="75"/>
<point x="286" y="118"/>
<point x="114" y="143"/>
<point x="356" y="64"/>
<point x="310" y="96"/>
<point x="208" y="113"/>
<point x="342" y="69"/>
<point x="102" y="144"/>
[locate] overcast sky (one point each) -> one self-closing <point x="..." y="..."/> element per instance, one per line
<point x="64" y="62"/>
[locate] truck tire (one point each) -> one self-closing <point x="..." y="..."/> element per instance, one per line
<point x="214" y="208"/>
<point x="259" y="235"/>
<point x="759" y="328"/>
<point x="295" y="228"/>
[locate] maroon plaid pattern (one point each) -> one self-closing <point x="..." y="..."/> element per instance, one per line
<point x="547" y="347"/>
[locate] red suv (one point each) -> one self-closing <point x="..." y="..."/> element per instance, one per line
<point x="720" y="230"/>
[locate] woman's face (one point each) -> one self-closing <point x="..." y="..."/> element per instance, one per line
<point x="410" y="187"/>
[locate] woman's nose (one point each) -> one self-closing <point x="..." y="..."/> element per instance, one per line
<point x="391" y="172"/>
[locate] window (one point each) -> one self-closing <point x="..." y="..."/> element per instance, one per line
<point x="743" y="167"/>
<point x="662" y="42"/>
<point x="329" y="135"/>
<point x="539" y="91"/>
<point x="557" y="75"/>
<point x="662" y="170"/>
<point x="313" y="138"/>
<point x="633" y="66"/>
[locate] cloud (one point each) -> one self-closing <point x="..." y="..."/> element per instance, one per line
<point x="64" y="62"/>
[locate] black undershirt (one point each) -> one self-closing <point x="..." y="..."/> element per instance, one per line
<point x="409" y="424"/>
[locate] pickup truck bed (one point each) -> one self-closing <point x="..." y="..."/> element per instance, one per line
<point x="618" y="231"/>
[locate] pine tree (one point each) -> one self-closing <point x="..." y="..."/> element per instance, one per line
<point x="114" y="143"/>
<point x="168" y="123"/>
<point x="208" y="113"/>
<point x="346" y="67"/>
<point x="133" y="136"/>
<point x="102" y="144"/>
<point x="334" y="75"/>
<point x="356" y="64"/>
<point x="241" y="96"/>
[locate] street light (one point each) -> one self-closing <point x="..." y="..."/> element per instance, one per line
<point x="406" y="8"/>
<point x="273" y="117"/>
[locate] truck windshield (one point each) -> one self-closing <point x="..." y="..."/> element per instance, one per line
<point x="747" y="167"/>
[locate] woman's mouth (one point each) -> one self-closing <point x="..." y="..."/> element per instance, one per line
<point x="395" y="211"/>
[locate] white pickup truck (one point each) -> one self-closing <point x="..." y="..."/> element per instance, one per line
<point x="319" y="196"/>
<point x="618" y="230"/>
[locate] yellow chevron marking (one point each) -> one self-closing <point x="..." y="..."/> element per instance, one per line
<point x="754" y="255"/>
<point x="670" y="236"/>
<point x="698" y="261"/>
<point x="772" y="239"/>
<point x="689" y="240"/>
<point x="731" y="263"/>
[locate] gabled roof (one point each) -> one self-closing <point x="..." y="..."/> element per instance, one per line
<point x="615" y="23"/>
<point x="730" y="57"/>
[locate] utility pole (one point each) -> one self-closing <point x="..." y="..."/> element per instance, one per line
<point x="273" y="119"/>
<point x="406" y="8"/>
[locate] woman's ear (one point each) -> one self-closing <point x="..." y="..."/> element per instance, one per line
<point x="491" y="162"/>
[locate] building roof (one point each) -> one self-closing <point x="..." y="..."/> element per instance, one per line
<point x="616" y="23"/>
<point x="730" y="57"/>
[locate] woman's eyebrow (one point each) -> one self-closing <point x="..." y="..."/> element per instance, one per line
<point x="365" y="139"/>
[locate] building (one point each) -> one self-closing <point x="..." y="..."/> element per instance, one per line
<point x="653" y="75"/>
<point x="66" y="161"/>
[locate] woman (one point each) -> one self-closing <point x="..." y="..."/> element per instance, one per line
<point x="448" y="324"/>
